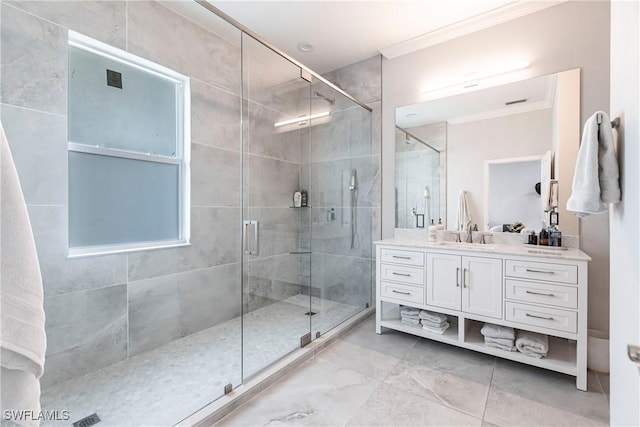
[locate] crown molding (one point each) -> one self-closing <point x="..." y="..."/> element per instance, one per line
<point x="479" y="22"/>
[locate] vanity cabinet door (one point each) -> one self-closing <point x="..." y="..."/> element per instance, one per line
<point x="482" y="286"/>
<point x="444" y="280"/>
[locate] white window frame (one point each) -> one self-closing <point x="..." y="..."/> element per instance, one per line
<point x="183" y="146"/>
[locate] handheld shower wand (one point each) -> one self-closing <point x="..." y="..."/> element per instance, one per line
<point x="354" y="202"/>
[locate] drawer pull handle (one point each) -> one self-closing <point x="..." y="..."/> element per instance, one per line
<point x="540" y="293"/>
<point x="538" y="317"/>
<point x="530" y="270"/>
<point x="457" y="277"/>
<point x="401" y="257"/>
<point x="401" y="274"/>
<point x="398" y="292"/>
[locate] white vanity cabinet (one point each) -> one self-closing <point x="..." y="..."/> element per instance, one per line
<point x="527" y="288"/>
<point x="468" y="283"/>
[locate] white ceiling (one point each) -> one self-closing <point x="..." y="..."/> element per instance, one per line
<point x="345" y="32"/>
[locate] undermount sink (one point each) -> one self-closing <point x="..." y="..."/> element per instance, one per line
<point x="465" y="245"/>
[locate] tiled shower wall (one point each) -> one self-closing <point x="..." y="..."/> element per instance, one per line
<point x="102" y="309"/>
<point x="341" y="273"/>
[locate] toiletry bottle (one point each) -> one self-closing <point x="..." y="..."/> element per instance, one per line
<point x="544" y="237"/>
<point x="297" y="199"/>
<point x="533" y="238"/>
<point x="304" y="201"/>
<point x="440" y="224"/>
<point x="555" y="237"/>
<point x="432" y="232"/>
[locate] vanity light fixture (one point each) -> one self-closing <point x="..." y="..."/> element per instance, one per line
<point x="301" y="119"/>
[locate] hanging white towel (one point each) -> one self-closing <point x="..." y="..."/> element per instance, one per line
<point x="23" y="340"/>
<point x="463" y="221"/>
<point x="595" y="181"/>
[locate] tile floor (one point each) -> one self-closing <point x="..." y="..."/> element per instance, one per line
<point x="395" y="379"/>
<point x="163" y="386"/>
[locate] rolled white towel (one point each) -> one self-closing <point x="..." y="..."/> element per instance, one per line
<point x="532" y="344"/>
<point x="433" y="317"/>
<point x="503" y="343"/>
<point x="497" y="331"/>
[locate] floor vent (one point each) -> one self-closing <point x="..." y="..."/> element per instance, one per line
<point x="310" y="313"/>
<point x="87" y="421"/>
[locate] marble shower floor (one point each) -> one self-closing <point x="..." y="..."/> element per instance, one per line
<point x="165" y="385"/>
<point x="395" y="379"/>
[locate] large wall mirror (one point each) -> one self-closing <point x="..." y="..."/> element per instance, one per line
<point x="447" y="145"/>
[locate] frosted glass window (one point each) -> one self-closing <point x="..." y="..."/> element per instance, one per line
<point x="137" y="112"/>
<point x="116" y="201"/>
<point x="128" y="151"/>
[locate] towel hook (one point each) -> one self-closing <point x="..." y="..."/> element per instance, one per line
<point x="614" y="123"/>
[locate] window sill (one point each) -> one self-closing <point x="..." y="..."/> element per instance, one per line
<point x="90" y="251"/>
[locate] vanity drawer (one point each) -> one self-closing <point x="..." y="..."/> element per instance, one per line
<point x="562" y="273"/>
<point x="402" y="292"/>
<point x="544" y="317"/>
<point x="401" y="273"/>
<point x="401" y="256"/>
<point x="542" y="293"/>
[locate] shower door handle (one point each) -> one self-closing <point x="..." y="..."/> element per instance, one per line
<point x="250" y="237"/>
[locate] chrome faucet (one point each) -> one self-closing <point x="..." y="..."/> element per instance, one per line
<point x="469" y="235"/>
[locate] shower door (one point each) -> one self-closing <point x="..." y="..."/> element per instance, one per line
<point x="276" y="251"/>
<point x="344" y="172"/>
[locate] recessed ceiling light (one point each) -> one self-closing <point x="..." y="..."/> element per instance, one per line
<point x="305" y="47"/>
<point x="411" y="115"/>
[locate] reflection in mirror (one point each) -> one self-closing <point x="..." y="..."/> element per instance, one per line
<point x="514" y="120"/>
<point x="419" y="189"/>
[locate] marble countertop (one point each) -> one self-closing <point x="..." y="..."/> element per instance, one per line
<point x="491" y="248"/>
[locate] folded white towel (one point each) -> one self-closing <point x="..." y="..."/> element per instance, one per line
<point x="502" y="341"/>
<point x="406" y="311"/>
<point x="497" y="331"/>
<point x="500" y="346"/>
<point x="22" y="337"/>
<point x="463" y="220"/>
<point x="431" y="324"/>
<point x="441" y="330"/>
<point x="595" y="181"/>
<point x="433" y="317"/>
<point x="409" y="321"/>
<point x="532" y="344"/>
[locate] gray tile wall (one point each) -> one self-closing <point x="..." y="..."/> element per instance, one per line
<point x="102" y="309"/>
<point x="352" y="141"/>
